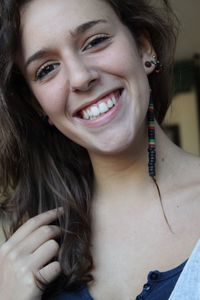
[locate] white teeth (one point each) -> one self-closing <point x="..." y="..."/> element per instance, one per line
<point x="103" y="107"/>
<point x="89" y="113"/>
<point x="114" y="100"/>
<point x="110" y="103"/>
<point x="94" y="111"/>
<point x="85" y="115"/>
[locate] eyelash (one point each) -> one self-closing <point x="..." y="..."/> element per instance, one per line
<point x="91" y="44"/>
<point x="44" y="68"/>
<point x="98" y="39"/>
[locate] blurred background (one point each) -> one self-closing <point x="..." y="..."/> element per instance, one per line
<point x="182" y="123"/>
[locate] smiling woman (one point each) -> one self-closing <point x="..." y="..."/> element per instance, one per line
<point x="84" y="85"/>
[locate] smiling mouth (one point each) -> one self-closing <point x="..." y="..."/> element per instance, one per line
<point x="101" y="107"/>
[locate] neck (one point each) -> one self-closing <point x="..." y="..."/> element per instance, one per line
<point x="128" y="170"/>
<point x="117" y="170"/>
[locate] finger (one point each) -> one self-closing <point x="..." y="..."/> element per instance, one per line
<point x="37" y="238"/>
<point x="32" y="224"/>
<point x="44" y="254"/>
<point x="47" y="274"/>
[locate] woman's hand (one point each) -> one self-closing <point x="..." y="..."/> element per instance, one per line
<point x="26" y="265"/>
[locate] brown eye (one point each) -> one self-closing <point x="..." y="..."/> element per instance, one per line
<point x="46" y="70"/>
<point x="98" y="40"/>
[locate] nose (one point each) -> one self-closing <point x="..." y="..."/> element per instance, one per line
<point x="82" y="77"/>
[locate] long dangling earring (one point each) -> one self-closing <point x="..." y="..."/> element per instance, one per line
<point x="151" y="121"/>
<point x="152" y="136"/>
<point x="151" y="140"/>
<point x="152" y="153"/>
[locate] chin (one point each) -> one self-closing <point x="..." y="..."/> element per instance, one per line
<point x="115" y="146"/>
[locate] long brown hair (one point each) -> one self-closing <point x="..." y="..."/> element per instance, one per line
<point x="41" y="169"/>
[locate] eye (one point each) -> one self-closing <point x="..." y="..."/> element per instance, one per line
<point x="45" y="70"/>
<point x="96" y="41"/>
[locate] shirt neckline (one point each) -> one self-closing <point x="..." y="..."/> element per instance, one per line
<point x="167" y="274"/>
<point x="160" y="276"/>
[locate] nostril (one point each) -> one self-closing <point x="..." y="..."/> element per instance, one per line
<point x="85" y="87"/>
<point x="92" y="83"/>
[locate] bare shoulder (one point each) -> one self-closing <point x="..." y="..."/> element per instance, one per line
<point x="191" y="168"/>
<point x="187" y="176"/>
<point x="185" y="167"/>
<point x="184" y="195"/>
<point x="177" y="167"/>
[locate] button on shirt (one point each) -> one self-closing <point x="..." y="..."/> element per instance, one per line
<point x="159" y="286"/>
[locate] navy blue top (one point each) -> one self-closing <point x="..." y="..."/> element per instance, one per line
<point x="159" y="286"/>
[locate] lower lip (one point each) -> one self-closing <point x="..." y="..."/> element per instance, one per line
<point x="105" y="118"/>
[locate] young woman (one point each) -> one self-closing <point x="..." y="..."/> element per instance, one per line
<point x="84" y="85"/>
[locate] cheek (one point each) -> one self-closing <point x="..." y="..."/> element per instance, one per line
<point x="51" y="97"/>
<point x="122" y="59"/>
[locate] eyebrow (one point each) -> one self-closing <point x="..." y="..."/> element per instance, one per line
<point x="78" y="31"/>
<point x="86" y="26"/>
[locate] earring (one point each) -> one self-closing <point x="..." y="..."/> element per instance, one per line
<point x="151" y="140"/>
<point x="156" y="63"/>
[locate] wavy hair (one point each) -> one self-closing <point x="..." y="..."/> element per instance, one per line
<point x="41" y="169"/>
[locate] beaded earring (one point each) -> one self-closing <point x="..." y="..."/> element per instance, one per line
<point x="151" y="140"/>
<point x="151" y="121"/>
<point x="152" y="153"/>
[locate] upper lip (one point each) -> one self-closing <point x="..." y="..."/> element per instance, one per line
<point x="89" y="103"/>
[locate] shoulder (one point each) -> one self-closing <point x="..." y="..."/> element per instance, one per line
<point x="177" y="168"/>
<point x="185" y="169"/>
<point x="182" y="192"/>
<point x="186" y="178"/>
<point x="190" y="172"/>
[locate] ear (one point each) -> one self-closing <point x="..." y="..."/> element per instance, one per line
<point x="147" y="53"/>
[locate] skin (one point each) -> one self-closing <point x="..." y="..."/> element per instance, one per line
<point x="125" y="205"/>
<point x="107" y="66"/>
<point x="25" y="258"/>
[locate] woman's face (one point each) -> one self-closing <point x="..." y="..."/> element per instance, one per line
<point x="86" y="71"/>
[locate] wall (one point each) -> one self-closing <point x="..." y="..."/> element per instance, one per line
<point x="183" y="112"/>
<point x="188" y="14"/>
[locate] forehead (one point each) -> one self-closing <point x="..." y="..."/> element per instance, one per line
<point x="46" y="23"/>
<point x="42" y="13"/>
